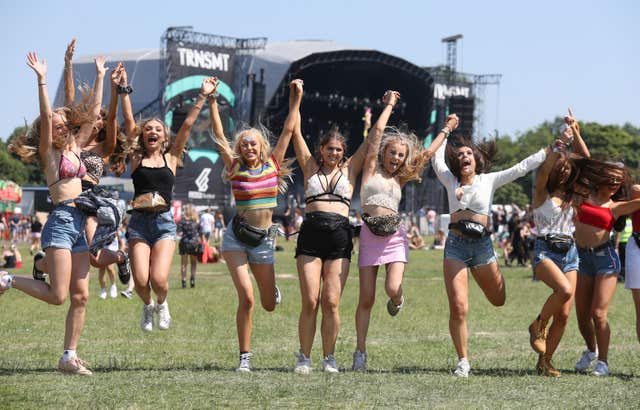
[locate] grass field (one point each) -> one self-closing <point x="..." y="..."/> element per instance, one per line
<point x="410" y="356"/>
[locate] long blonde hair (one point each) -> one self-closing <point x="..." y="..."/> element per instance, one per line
<point x="189" y="213"/>
<point x="414" y="163"/>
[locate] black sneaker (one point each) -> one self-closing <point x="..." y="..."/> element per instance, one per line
<point x="124" y="268"/>
<point x="38" y="274"/>
<point x="192" y="282"/>
<point x="184" y="284"/>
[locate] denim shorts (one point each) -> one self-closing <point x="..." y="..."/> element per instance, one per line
<point x="64" y="229"/>
<point x="566" y="262"/>
<point x="261" y="254"/>
<point x="151" y="227"/>
<point x="604" y="261"/>
<point x="470" y="251"/>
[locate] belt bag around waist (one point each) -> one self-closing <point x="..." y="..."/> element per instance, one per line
<point x="383" y="225"/>
<point x="559" y="243"/>
<point x="247" y="234"/>
<point x="469" y="228"/>
<point x="150" y="202"/>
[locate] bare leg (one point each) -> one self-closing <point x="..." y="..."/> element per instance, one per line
<point x="238" y="267"/>
<point x="309" y="272"/>
<point x="334" y="274"/>
<point x="266" y="280"/>
<point x="60" y="262"/>
<point x="161" y="257"/>
<point x="140" y="252"/>
<point x="366" y="300"/>
<point x="584" y="295"/>
<point x="560" y="317"/>
<point x="456" y="281"/>
<point x="393" y="282"/>
<point x="79" y="291"/>
<point x="491" y="281"/>
<point x="552" y="276"/>
<point x="604" y="289"/>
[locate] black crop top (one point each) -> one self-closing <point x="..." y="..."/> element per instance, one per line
<point x="154" y="179"/>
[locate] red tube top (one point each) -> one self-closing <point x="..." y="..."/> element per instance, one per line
<point x="594" y="215"/>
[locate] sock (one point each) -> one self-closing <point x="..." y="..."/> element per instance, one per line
<point x="68" y="355"/>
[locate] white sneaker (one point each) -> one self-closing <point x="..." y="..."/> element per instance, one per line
<point x="164" y="318"/>
<point x="146" y="322"/>
<point x="278" y="295"/>
<point x="113" y="291"/>
<point x="245" y="363"/>
<point x="359" y="361"/>
<point x="303" y="364"/>
<point x="329" y="364"/>
<point x="103" y="294"/>
<point x="600" y="369"/>
<point x="463" y="368"/>
<point x="586" y="360"/>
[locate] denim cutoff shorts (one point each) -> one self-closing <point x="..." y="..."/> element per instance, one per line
<point x="470" y="251"/>
<point x="151" y="227"/>
<point x="261" y="254"/>
<point x="64" y="229"/>
<point x="566" y="262"/>
<point x="604" y="261"/>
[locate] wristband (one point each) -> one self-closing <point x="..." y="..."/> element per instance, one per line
<point x="125" y="89"/>
<point x="446" y="130"/>
<point x="42" y="83"/>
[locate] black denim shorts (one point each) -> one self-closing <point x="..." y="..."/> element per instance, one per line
<point x="325" y="235"/>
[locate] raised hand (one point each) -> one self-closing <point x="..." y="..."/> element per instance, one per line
<point x="296" y="87"/>
<point x="367" y="118"/>
<point x="452" y="121"/>
<point x="116" y="74"/>
<point x="572" y="122"/>
<point x="209" y="85"/>
<point x="101" y="69"/>
<point x="40" y="67"/>
<point x="71" y="48"/>
<point x="391" y="97"/>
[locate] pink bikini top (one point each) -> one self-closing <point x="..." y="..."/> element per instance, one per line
<point x="68" y="169"/>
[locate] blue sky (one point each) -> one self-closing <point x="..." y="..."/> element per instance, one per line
<point x="552" y="54"/>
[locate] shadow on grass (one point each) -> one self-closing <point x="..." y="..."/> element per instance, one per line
<point x="412" y="370"/>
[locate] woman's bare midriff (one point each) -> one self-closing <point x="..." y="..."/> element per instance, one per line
<point x="260" y="218"/>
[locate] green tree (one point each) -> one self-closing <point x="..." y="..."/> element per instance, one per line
<point x="13" y="168"/>
<point x="511" y="193"/>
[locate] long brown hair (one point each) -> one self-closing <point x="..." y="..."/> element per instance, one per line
<point x="333" y="134"/>
<point x="484" y="153"/>
<point x="596" y="173"/>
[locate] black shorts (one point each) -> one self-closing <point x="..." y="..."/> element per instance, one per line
<point x="325" y="235"/>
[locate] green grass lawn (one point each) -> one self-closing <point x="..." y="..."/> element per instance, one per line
<point x="410" y="356"/>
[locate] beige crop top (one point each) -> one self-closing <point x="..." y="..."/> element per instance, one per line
<point x="381" y="191"/>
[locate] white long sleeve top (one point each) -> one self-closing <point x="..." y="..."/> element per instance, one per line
<point x="478" y="196"/>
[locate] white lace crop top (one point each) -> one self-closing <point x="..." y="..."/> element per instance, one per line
<point x="551" y="218"/>
<point x="478" y="196"/>
<point x="381" y="191"/>
<point x="321" y="188"/>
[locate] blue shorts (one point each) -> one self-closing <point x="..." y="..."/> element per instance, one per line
<point x="261" y="254"/>
<point x="604" y="261"/>
<point x="64" y="229"/>
<point x="470" y="251"/>
<point x="151" y="227"/>
<point x="566" y="262"/>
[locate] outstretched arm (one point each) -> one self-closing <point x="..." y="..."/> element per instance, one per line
<point x="109" y="144"/>
<point x="451" y="123"/>
<point x="85" y="131"/>
<point x="303" y="155"/>
<point x="206" y="89"/>
<point x="127" y="111"/>
<point x="295" y="99"/>
<point x="69" y="89"/>
<point x="578" y="145"/>
<point x="46" y="137"/>
<point x="444" y="174"/>
<point x="218" y="130"/>
<point x="366" y="157"/>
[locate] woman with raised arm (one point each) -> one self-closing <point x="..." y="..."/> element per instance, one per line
<point x="599" y="261"/>
<point x="393" y="159"/>
<point x="256" y="173"/>
<point x="152" y="231"/>
<point x="324" y="244"/>
<point x="51" y="142"/>
<point x="555" y="260"/>
<point x="470" y="190"/>
<point x="95" y="153"/>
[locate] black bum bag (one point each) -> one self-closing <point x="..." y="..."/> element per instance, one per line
<point x="247" y="234"/>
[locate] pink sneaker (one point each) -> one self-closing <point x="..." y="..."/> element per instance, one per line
<point x="74" y="366"/>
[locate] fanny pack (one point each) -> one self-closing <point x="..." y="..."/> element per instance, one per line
<point x="469" y="228"/>
<point x="150" y="202"/>
<point x="247" y="234"/>
<point x="558" y="243"/>
<point x="383" y="225"/>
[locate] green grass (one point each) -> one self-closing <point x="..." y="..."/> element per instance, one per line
<point x="410" y="356"/>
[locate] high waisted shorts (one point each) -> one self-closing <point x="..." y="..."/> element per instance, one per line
<point x="151" y="226"/>
<point x="65" y="229"/>
<point x="470" y="251"/>
<point x="325" y="235"/>
<point x="379" y="250"/>
<point x="601" y="261"/>
<point x="566" y="262"/>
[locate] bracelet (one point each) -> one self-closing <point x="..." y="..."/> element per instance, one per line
<point x="213" y="96"/>
<point x="42" y="83"/>
<point x="446" y="130"/>
<point x="124" y="89"/>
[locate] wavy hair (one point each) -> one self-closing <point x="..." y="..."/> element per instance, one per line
<point x="596" y="173"/>
<point x="484" y="154"/>
<point x="135" y="146"/>
<point x="189" y="213"/>
<point x="333" y="134"/>
<point x="414" y="163"/>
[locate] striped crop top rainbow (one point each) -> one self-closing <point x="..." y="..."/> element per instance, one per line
<point x="255" y="188"/>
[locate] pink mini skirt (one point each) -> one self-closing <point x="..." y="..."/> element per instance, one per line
<point x="379" y="250"/>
